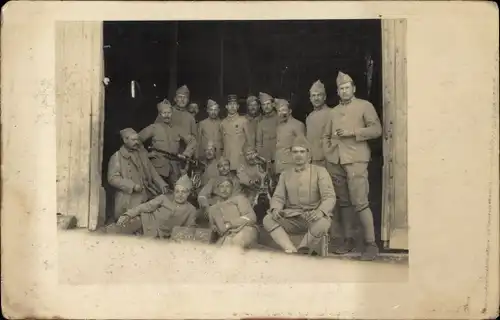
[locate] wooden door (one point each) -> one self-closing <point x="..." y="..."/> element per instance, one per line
<point x="395" y="199"/>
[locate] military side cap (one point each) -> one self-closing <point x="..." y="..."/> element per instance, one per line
<point x="318" y="86"/>
<point x="281" y="103"/>
<point x="185" y="182"/>
<point x="211" y="103"/>
<point x="127" y="132"/>
<point x="223" y="159"/>
<point x="182" y="90"/>
<point x="251" y="99"/>
<point x="263" y="97"/>
<point x="163" y="104"/>
<point x="232" y="98"/>
<point x="343" y="78"/>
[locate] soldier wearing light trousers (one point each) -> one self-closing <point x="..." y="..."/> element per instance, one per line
<point x="350" y="125"/>
<point x="302" y="202"/>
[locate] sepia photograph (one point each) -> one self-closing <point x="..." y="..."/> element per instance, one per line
<point x="216" y="160"/>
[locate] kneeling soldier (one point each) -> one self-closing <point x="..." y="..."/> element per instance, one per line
<point x="233" y="218"/>
<point x="303" y="201"/>
<point x="160" y="215"/>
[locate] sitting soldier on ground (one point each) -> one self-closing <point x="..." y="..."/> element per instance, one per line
<point x="159" y="216"/>
<point x="233" y="218"/>
<point x="209" y="162"/>
<point x="132" y="175"/>
<point x="302" y="202"/>
<point x="251" y="172"/>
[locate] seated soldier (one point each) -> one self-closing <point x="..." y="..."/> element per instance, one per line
<point x="210" y="164"/>
<point x="208" y="195"/>
<point x="132" y="174"/>
<point x="233" y="218"/>
<point x="159" y="216"/>
<point x="302" y="202"/>
<point x="251" y="172"/>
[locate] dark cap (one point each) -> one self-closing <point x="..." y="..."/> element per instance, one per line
<point x="232" y="98"/>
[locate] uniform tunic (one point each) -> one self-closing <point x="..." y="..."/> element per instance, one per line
<point x="239" y="213"/>
<point x="167" y="137"/>
<point x="235" y="133"/>
<point x="209" y="130"/>
<point x="208" y="194"/>
<point x="183" y="119"/>
<point x="160" y="215"/>
<point x="285" y="135"/>
<point x="253" y="122"/>
<point x="128" y="168"/>
<point x="265" y="140"/>
<point x="315" y="125"/>
<point x="250" y="172"/>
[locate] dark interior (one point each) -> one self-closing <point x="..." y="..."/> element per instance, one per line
<point x="217" y="58"/>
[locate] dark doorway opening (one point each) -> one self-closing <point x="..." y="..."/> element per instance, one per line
<point x="216" y="58"/>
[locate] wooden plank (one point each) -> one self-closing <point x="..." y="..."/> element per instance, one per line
<point x="388" y="118"/>
<point x="96" y="55"/>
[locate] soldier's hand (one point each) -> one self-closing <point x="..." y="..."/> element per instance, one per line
<point x="274" y="213"/>
<point x="314" y="215"/>
<point x="137" y="188"/>
<point x="123" y="220"/>
<point x="344" y="133"/>
<point x="181" y="156"/>
<point x="164" y="189"/>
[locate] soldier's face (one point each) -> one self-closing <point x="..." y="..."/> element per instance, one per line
<point x="232" y="107"/>
<point x="181" y="194"/>
<point x="225" y="189"/>
<point x="132" y="142"/>
<point x="181" y="100"/>
<point x="253" y="108"/>
<point x="267" y="107"/>
<point x="213" y="112"/>
<point x="317" y="99"/>
<point x="346" y="91"/>
<point x="210" y="153"/>
<point x="224" y="168"/>
<point x="166" y="114"/>
<point x="284" y="112"/>
<point x="193" y="109"/>
<point x="250" y="156"/>
<point x="299" y="155"/>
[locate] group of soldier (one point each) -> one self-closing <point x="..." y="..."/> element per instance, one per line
<point x="320" y="170"/>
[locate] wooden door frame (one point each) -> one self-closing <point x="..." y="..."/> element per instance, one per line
<point x="394" y="231"/>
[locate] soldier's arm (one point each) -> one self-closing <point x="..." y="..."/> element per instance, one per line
<point x="259" y="139"/>
<point x="146" y="133"/>
<point x="205" y="193"/>
<point x="373" y="128"/>
<point x="243" y="176"/>
<point x="279" y="197"/>
<point x="247" y="214"/>
<point x="190" y="141"/>
<point x="326" y="190"/>
<point x="158" y="180"/>
<point x="215" y="216"/>
<point x="301" y="129"/>
<point x="149" y="206"/>
<point x="248" y="133"/>
<point x="329" y="141"/>
<point x="192" y="124"/>
<point x="191" y="220"/>
<point x="115" y="177"/>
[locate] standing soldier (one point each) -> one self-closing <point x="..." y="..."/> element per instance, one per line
<point x="350" y="125"/>
<point x="209" y="130"/>
<point x="132" y="174"/>
<point x="235" y="133"/>
<point x="166" y="138"/>
<point x="266" y="128"/>
<point x="316" y="121"/>
<point x="181" y="117"/>
<point x="288" y="129"/>
<point x="253" y="116"/>
<point x="193" y="109"/>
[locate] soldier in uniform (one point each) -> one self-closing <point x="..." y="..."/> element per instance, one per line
<point x="253" y="116"/>
<point x="316" y="121"/>
<point x="193" y="109"/>
<point x="303" y="201"/>
<point x="235" y="133"/>
<point x="166" y="137"/>
<point x="350" y="125"/>
<point x="250" y="172"/>
<point x="132" y="175"/>
<point x="209" y="130"/>
<point x="208" y="195"/>
<point x="233" y="218"/>
<point x="210" y="164"/>
<point x="159" y="216"/>
<point x="287" y="130"/>
<point x="265" y="140"/>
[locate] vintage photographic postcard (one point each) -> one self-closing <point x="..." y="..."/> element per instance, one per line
<point x="216" y="160"/>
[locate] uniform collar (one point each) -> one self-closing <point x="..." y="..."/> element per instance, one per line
<point x="324" y="106"/>
<point x="126" y="153"/>
<point x="232" y="116"/>
<point x="249" y="117"/>
<point x="348" y="102"/>
<point x="304" y="168"/>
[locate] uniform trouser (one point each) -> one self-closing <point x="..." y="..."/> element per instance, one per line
<point x="174" y="172"/>
<point x="298" y="224"/>
<point x="244" y="238"/>
<point x="352" y="187"/>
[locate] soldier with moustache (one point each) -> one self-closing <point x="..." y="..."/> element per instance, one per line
<point x="253" y="117"/>
<point x="210" y="130"/>
<point x="350" y="125"/>
<point x="265" y="140"/>
<point x="316" y="121"/>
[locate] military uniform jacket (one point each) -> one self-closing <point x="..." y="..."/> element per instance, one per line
<point x="182" y="119"/>
<point x="235" y="133"/>
<point x="358" y="116"/>
<point x="208" y="194"/>
<point x="160" y="215"/>
<point x="209" y="130"/>
<point x="315" y="125"/>
<point x="235" y="210"/>
<point x="128" y="168"/>
<point x="304" y="190"/>
<point x="265" y="140"/>
<point x="285" y="135"/>
<point x="253" y="122"/>
<point x="167" y="137"/>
